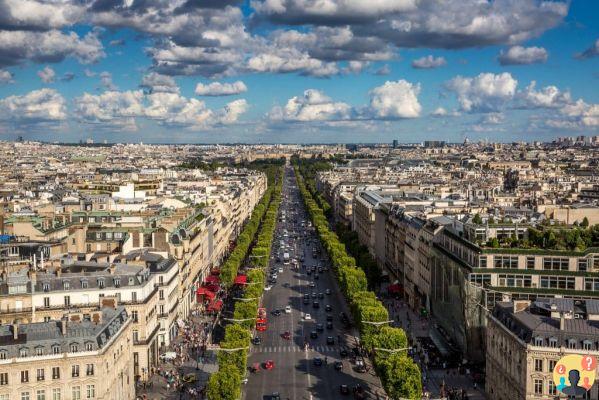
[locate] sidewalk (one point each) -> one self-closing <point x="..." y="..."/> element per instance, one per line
<point x="186" y="364"/>
<point x="434" y="379"/>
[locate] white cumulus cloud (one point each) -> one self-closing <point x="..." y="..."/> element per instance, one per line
<point x="429" y="62"/>
<point x="486" y="92"/>
<point x="518" y="55"/>
<point x="397" y="99"/>
<point x="314" y="105"/>
<point x="47" y="75"/>
<point x="5" y="77"/>
<point x="220" y="89"/>
<point x="44" y="105"/>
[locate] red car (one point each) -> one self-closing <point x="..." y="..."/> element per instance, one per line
<point x="286" y="335"/>
<point x="269" y="364"/>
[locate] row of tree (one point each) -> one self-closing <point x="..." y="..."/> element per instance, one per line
<point x="399" y="374"/>
<point x="232" y="359"/>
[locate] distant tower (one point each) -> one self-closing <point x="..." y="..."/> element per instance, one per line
<point x="395" y="143"/>
<point x="466" y="141"/>
<point x="20" y="139"/>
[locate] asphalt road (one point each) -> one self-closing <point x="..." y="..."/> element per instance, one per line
<point x="295" y="376"/>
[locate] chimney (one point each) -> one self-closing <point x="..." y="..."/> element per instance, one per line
<point x="15" y="330"/>
<point x="63" y="325"/>
<point x="521" y="305"/>
<point x="562" y="321"/>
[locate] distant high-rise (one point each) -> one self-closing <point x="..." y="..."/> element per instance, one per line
<point x="395" y="143"/>
<point x="434" y="143"/>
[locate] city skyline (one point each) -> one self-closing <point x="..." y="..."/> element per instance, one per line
<point x="296" y="71"/>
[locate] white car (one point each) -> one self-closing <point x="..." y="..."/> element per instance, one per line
<point x="280" y="269"/>
<point x="268" y="287"/>
<point x="307" y="317"/>
<point x="288" y="310"/>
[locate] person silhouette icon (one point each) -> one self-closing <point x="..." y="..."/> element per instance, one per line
<point x="574" y="389"/>
<point x="562" y="383"/>
<point x="586" y="383"/>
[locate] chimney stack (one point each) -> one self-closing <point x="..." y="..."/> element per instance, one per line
<point x="15" y="330"/>
<point x="63" y="325"/>
<point x="562" y="321"/>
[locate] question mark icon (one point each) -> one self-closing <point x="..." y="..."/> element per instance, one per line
<point x="589" y="363"/>
<point x="560" y="369"/>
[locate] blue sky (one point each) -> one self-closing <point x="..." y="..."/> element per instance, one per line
<point x="298" y="71"/>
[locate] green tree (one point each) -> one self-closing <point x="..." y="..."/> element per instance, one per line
<point x="388" y="338"/>
<point x="477" y="219"/>
<point x="401" y="377"/>
<point x="225" y="384"/>
<point x="585" y="222"/>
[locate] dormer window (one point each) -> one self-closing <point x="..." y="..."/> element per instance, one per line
<point x="571" y="343"/>
<point x="84" y="284"/>
<point x="539" y="341"/>
<point x="101" y="283"/>
<point x="66" y="285"/>
<point x="117" y="282"/>
<point x="23" y="352"/>
<point x="39" y="351"/>
<point x="89" y="347"/>
<point x="131" y="281"/>
<point x="46" y="287"/>
<point x="553" y="342"/>
<point x="74" y="348"/>
<point x="55" y="349"/>
<point x="3" y="354"/>
<point x="587" y="345"/>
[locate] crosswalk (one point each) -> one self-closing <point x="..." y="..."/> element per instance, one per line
<point x="294" y="349"/>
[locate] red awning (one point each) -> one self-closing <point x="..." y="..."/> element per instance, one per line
<point x="205" y="292"/>
<point x="215" y="305"/>
<point x="213" y="287"/>
<point x="395" y="288"/>
<point x="212" y="279"/>
<point x="241" y="280"/>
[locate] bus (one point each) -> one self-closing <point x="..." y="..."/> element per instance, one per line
<point x="286" y="258"/>
<point x="261" y="323"/>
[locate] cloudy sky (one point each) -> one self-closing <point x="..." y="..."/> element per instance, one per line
<point x="298" y="70"/>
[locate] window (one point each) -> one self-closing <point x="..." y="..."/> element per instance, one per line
<point x="539" y="341"/>
<point x="553" y="342"/>
<point x="40" y="374"/>
<point x="538" y="383"/>
<point x="24" y="395"/>
<point x="161" y="294"/>
<point x="134" y="316"/>
<point x="118" y="235"/>
<point x="135" y="336"/>
<point x="582" y="264"/>
<point x="74" y="348"/>
<point x="161" y="280"/>
<point x="41" y="394"/>
<point x="552" y="364"/>
<point x="4" y="397"/>
<point x="514" y="280"/>
<point x="555" y="263"/>
<point x="46" y="287"/>
<point x="91" y="391"/>
<point x="76" y="393"/>
<point x="571" y="343"/>
<point x="46" y="302"/>
<point x="2" y="354"/>
<point x="56" y="394"/>
<point x="557" y="282"/>
<point x="75" y="371"/>
<point x="507" y="262"/>
<point x="55" y="372"/>
<point x="89" y="346"/>
<point x="538" y="365"/>
<point x="66" y="285"/>
<point x="67" y="301"/>
<point x="39" y="351"/>
<point x="23" y="352"/>
<point x="46" y="319"/>
<point x="24" y="376"/>
<point x="117" y="282"/>
<point x="587" y="345"/>
<point x="101" y="283"/>
<point x="591" y="284"/>
<point x="133" y="296"/>
<point x="482" y="262"/>
<point x="84" y="284"/>
<point x="4" y="379"/>
<point x="530" y="263"/>
<point x="552" y="389"/>
<point x="56" y="349"/>
<point x="89" y="370"/>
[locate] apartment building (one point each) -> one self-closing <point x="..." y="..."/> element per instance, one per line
<point x="525" y="340"/>
<point x="78" y="356"/>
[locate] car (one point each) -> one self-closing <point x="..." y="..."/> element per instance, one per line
<point x="309" y="272"/>
<point x="316" y="276"/>
<point x="315" y="304"/>
<point x="286" y="284"/>
<point x="327" y="292"/>
<point x="287" y="309"/>
<point x="329" y="317"/>
<point x="317" y="361"/>
<point x="273" y="396"/>
<point x="360" y="366"/>
<point x="280" y="269"/>
<point x="306" y="300"/>
<point x="314" y="335"/>
<point x="189" y="378"/>
<point x="338" y="365"/>
<point x="329" y="325"/>
<point x="328" y="307"/>
<point x="168" y="356"/>
<point x="320" y="295"/>
<point x="320" y="269"/>
<point x="269" y="364"/>
<point x="256" y="341"/>
<point x="344" y="390"/>
<point x="276" y="313"/>
<point x="307" y="317"/>
<point x="286" y="335"/>
<point x="330" y="340"/>
<point x="319" y="327"/>
<point x="343" y="353"/>
<point x="312" y="284"/>
<point x="274" y="276"/>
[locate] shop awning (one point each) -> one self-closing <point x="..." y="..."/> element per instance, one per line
<point x="215" y="305"/>
<point x="205" y="292"/>
<point x="213" y="287"/>
<point x="241" y="280"/>
<point x="212" y="279"/>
